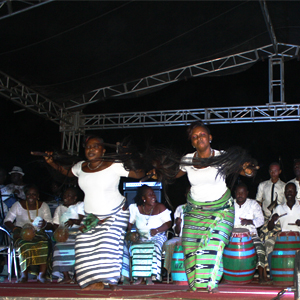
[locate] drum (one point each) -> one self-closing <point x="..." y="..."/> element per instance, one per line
<point x="283" y="257"/>
<point x="177" y="266"/>
<point x="239" y="257"/>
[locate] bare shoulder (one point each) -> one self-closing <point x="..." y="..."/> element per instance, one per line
<point x="160" y="207"/>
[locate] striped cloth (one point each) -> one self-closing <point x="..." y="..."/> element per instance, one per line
<point x="99" y="251"/>
<point x="146" y="257"/>
<point x="269" y="238"/>
<point x="64" y="255"/>
<point x="33" y="253"/>
<point x="260" y="251"/>
<point x="206" y="231"/>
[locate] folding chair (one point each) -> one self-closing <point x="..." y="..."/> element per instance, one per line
<point x="9" y="250"/>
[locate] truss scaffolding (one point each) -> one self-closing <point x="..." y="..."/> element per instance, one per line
<point x="285" y="51"/>
<point x="214" y="115"/>
<point x="74" y="124"/>
<point x="12" y="7"/>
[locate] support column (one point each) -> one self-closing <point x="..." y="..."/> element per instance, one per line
<point x="276" y="80"/>
<point x="72" y="134"/>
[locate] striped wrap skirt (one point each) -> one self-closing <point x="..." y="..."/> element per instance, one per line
<point x="99" y="251"/>
<point x="34" y="253"/>
<point x="207" y="229"/>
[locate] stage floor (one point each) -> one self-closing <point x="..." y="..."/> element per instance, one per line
<point x="33" y="290"/>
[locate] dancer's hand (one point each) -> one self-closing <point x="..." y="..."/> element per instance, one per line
<point x="153" y="232"/>
<point x="49" y="158"/>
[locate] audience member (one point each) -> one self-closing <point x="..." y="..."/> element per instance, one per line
<point x="32" y="252"/>
<point x="56" y="193"/>
<point x="271" y="190"/>
<point x="249" y="215"/>
<point x="69" y="214"/>
<point x="152" y="220"/>
<point x="286" y="217"/>
<point x="17" y="185"/>
<point x="296" y="180"/>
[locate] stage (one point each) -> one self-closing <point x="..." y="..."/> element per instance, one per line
<point x="33" y="291"/>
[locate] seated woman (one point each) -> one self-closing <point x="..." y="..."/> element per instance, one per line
<point x="69" y="214"/>
<point x="36" y="251"/>
<point x="152" y="220"/>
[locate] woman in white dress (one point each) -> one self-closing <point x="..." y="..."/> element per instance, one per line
<point x="36" y="251"/>
<point x="152" y="220"/>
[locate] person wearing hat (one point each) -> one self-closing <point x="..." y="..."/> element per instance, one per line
<point x="16" y="186"/>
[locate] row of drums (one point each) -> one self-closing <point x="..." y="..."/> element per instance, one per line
<point x="239" y="259"/>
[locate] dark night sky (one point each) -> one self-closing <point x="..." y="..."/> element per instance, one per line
<point x="23" y="132"/>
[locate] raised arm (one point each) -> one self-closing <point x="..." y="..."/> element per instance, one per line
<point x="49" y="160"/>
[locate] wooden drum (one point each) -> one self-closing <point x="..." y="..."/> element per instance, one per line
<point x="239" y="257"/>
<point x="283" y="257"/>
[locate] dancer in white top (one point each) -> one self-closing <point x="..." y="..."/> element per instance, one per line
<point x="99" y="249"/>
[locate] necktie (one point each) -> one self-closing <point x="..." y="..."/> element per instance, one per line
<point x="272" y="193"/>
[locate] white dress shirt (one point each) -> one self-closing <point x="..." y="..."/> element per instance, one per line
<point x="264" y="194"/>
<point x="292" y="216"/>
<point x="250" y="210"/>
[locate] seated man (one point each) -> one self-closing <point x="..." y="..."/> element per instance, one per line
<point x="286" y="216"/>
<point x="16" y="186"/>
<point x="249" y="215"/>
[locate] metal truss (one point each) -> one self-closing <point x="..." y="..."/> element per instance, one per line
<point x="199" y="69"/>
<point x="72" y="134"/>
<point x="215" y="115"/>
<point x="12" y="7"/>
<point x="23" y="96"/>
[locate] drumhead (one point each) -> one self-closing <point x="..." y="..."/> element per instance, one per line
<point x="289" y="233"/>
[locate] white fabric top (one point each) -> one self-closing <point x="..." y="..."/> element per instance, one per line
<point x="264" y="194"/>
<point x="179" y="214"/>
<point x="20" y="188"/>
<point x="19" y="214"/>
<point x="292" y="216"/>
<point x="298" y="188"/>
<point x="250" y="210"/>
<point x="144" y="223"/>
<point x="62" y="213"/>
<point x="206" y="186"/>
<point x="101" y="189"/>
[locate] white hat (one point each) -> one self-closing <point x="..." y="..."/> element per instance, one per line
<point x="16" y="169"/>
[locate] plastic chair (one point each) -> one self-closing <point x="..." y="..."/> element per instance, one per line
<point x="9" y="250"/>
